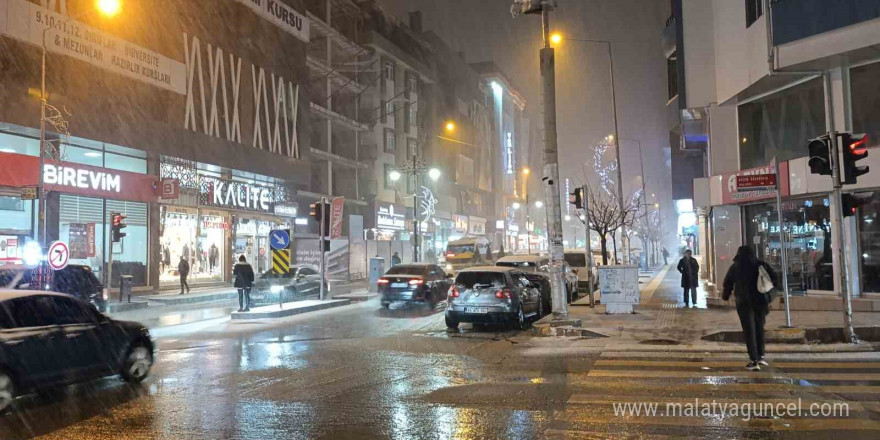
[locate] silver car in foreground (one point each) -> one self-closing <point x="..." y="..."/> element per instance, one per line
<point x="493" y="295"/>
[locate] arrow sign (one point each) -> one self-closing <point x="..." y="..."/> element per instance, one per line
<point x="59" y="255"/>
<point x="279" y="239"/>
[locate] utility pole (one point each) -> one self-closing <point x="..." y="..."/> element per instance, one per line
<point x="848" y="330"/>
<point x="551" y="156"/>
<point x="782" y="245"/>
<point x="416" y="222"/>
<point x="528" y="226"/>
<point x="617" y="154"/>
<point x="323" y="229"/>
<point x="586" y="200"/>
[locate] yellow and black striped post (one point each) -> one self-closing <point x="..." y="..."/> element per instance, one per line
<point x="281" y="261"/>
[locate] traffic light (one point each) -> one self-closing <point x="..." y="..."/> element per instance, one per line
<point x="851" y="202"/>
<point x="855" y="148"/>
<point x="577" y="198"/>
<point x="820" y="160"/>
<point x="318" y="210"/>
<point x="118" y="223"/>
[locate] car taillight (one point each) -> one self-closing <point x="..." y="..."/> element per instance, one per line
<point x="416" y="282"/>
<point x="504" y="294"/>
<point x="382" y="281"/>
<point x="449" y="254"/>
<point x="454" y="292"/>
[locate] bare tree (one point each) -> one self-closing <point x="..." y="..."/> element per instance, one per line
<point x="606" y="217"/>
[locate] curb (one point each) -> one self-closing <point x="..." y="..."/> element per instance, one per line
<point x="119" y="307"/>
<point x="176" y="300"/>
<point x="291" y="309"/>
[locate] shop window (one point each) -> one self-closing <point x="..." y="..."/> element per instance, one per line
<point x="807" y="227"/>
<point x="780" y="125"/>
<point x="177" y="239"/>
<point x="125" y="163"/>
<point x="10" y="143"/>
<point x="866" y="101"/>
<point x="869" y="244"/>
<point x="11" y="204"/>
<point x="83" y="156"/>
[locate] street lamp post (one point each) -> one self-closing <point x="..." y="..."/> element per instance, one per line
<point x="108" y="8"/>
<point x="415" y="169"/>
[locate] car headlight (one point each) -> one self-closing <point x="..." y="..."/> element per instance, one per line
<point x="448" y="267"/>
<point x="276" y="289"/>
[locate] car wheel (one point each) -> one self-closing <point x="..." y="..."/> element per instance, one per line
<point x="137" y="364"/>
<point x="7" y="391"/>
<point x="519" y="320"/>
<point x="451" y="323"/>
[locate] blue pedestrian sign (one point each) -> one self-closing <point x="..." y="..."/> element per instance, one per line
<point x="279" y="239"/>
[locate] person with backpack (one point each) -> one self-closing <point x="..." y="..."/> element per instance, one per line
<point x="244" y="280"/>
<point x="751" y="281"/>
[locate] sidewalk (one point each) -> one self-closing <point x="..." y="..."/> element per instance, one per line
<point x="661" y="316"/>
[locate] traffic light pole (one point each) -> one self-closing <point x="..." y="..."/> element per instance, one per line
<point x="834" y="154"/>
<point x="586" y="201"/>
<point x="110" y="261"/>
<point x="322" y="228"/>
<point x="783" y="251"/>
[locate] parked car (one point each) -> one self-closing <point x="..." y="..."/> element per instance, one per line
<point x="75" y="279"/>
<point x="492" y="294"/>
<point x="50" y="339"/>
<point x="300" y="282"/>
<point x="579" y="263"/>
<point x="416" y="282"/>
<point x="540" y="264"/>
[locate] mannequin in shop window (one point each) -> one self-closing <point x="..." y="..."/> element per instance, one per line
<point x="213" y="256"/>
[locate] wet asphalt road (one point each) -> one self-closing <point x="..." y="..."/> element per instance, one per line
<point x="361" y="372"/>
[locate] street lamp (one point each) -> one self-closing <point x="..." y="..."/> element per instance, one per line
<point x="539" y="204"/>
<point x="415" y="169"/>
<point x="108" y="8"/>
<point x="450" y="126"/>
<point x="567" y="218"/>
<point x="515" y="205"/>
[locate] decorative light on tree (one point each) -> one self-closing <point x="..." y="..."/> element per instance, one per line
<point x="604" y="171"/>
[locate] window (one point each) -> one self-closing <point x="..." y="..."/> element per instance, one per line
<point x="754" y="11"/>
<point x="388" y="71"/>
<point x="672" y="76"/>
<point x="32" y="311"/>
<point x="413" y="113"/>
<point x="71" y="311"/>
<point x="412" y="84"/>
<point x="11" y="204"/>
<point x="383" y="114"/>
<point x="868" y="220"/>
<point x="865" y="95"/>
<point x="406" y="117"/>
<point x="389" y="113"/>
<point x="412" y="147"/>
<point x="781" y="124"/>
<point x="389" y="184"/>
<point x="390" y="141"/>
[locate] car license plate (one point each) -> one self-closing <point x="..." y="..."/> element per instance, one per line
<point x="398" y="285"/>
<point x="476" y="310"/>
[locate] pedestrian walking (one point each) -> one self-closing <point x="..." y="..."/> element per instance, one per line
<point x="752" y="305"/>
<point x="395" y="259"/>
<point x="183" y="270"/>
<point x="244" y="280"/>
<point x="665" y="256"/>
<point x="690" y="271"/>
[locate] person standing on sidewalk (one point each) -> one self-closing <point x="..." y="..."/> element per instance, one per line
<point x="665" y="256"/>
<point x="690" y="271"/>
<point x="244" y="280"/>
<point x="183" y="270"/>
<point x="395" y="259"/>
<point x="751" y="305"/>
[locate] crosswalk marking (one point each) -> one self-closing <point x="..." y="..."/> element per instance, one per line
<point x="758" y="424"/>
<point x="737" y="364"/>
<point x="741" y="355"/>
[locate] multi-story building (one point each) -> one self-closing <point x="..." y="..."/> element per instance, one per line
<point x="756" y="80"/>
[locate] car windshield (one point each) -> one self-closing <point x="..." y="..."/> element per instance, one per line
<point x="460" y="248"/>
<point x="516" y="263"/>
<point x="576" y="259"/>
<point x="406" y="270"/>
<point x="480" y="280"/>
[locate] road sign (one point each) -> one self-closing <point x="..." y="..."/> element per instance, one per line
<point x="58" y="255"/>
<point x="281" y="261"/>
<point x="279" y="239"/>
<point x="756" y="182"/>
<point x="29" y="193"/>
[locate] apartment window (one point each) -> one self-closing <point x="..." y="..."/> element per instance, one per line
<point x="672" y="75"/>
<point x="389" y="184"/>
<point x="781" y="124"/>
<point x="390" y="141"/>
<point x="754" y="11"/>
<point x="388" y="71"/>
<point x="406" y="117"/>
<point x="389" y="113"/>
<point x="412" y="86"/>
<point x="413" y="117"/>
<point x="412" y="147"/>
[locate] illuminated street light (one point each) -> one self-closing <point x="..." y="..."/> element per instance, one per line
<point x="434" y="173"/>
<point x="539" y="204"/>
<point x="610" y="138"/>
<point x="394" y="175"/>
<point x="108" y="7"/>
<point x="526" y="171"/>
<point x="657" y="205"/>
<point x="450" y="126"/>
<point x="515" y="205"/>
<point x="556" y="38"/>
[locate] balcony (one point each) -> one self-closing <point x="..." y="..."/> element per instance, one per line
<point x="318" y="69"/>
<point x="337" y="119"/>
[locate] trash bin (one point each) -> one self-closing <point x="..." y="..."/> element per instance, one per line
<point x="125" y="287"/>
<point x="377" y="269"/>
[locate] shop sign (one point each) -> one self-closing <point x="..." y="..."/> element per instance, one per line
<point x="499" y="225"/>
<point x="235" y="195"/>
<point x="476" y="226"/>
<point x="755" y="182"/>
<point x="170" y="189"/>
<point x="26" y="21"/>
<point x="281" y="15"/>
<point x="214" y="223"/>
<point x="29" y="193"/>
<point x="90" y="235"/>
<point x="731" y="196"/>
<point x="460" y="223"/>
<point x="390" y="216"/>
<point x="336" y="209"/>
<point x="287" y="209"/>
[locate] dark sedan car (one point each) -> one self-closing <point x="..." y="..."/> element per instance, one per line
<point x="492" y="294"/>
<point x="75" y="279"/>
<point x="50" y="339"/>
<point x="299" y="283"/>
<point x="417" y="282"/>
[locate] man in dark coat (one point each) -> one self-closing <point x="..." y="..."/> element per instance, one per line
<point x="395" y="259"/>
<point x="690" y="272"/>
<point x="751" y="305"/>
<point x="183" y="269"/>
<point x="244" y="280"/>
